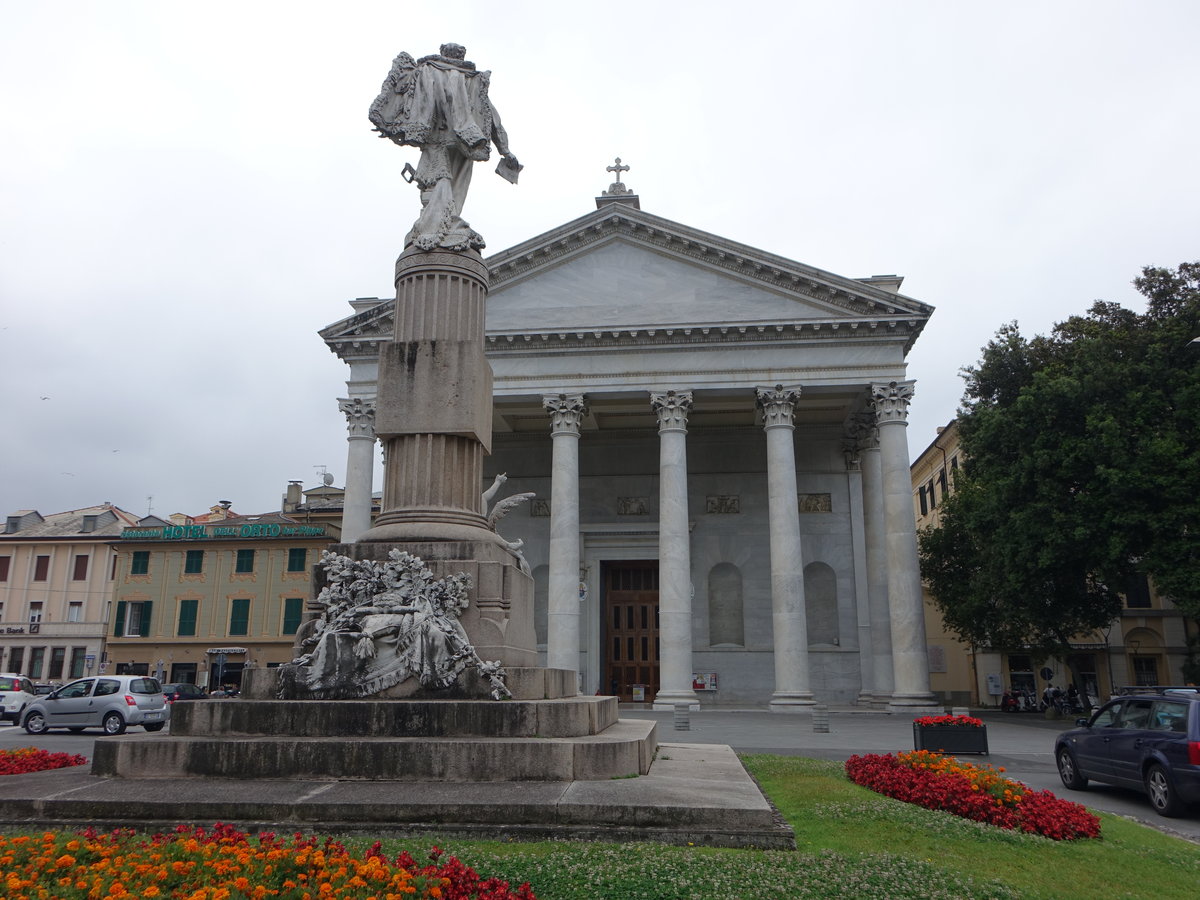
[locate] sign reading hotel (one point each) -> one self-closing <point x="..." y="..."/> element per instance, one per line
<point x="211" y="532"/>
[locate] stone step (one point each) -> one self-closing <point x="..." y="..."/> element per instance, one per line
<point x="570" y="717"/>
<point x="624" y="749"/>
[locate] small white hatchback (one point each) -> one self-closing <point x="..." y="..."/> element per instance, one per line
<point x="111" y="702"/>
<point x="16" y="692"/>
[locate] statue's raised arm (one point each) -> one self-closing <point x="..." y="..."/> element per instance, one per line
<point x="440" y="104"/>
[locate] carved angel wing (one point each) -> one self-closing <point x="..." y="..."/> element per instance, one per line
<point x="502" y="507"/>
<point x="391" y="106"/>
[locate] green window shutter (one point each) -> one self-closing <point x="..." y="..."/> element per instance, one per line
<point x="193" y="563"/>
<point x="239" y="616"/>
<point x="146" y="608"/>
<point x="293" y="610"/>
<point x="141" y="563"/>
<point x="245" y="561"/>
<point x="187" y="617"/>
<point x="297" y="559"/>
<point x="119" y="622"/>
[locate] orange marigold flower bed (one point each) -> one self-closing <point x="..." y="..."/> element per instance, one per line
<point x="223" y="863"/>
<point x="32" y="759"/>
<point x="980" y="793"/>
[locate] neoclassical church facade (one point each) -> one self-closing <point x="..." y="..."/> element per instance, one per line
<point x="715" y="440"/>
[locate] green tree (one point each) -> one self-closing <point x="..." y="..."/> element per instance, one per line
<point x="1081" y="471"/>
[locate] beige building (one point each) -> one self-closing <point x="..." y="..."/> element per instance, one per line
<point x="1146" y="646"/>
<point x="198" y="599"/>
<point x="56" y="583"/>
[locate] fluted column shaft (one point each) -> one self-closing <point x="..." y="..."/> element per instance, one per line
<point x="788" y="617"/>
<point x="674" y="552"/>
<point x="910" y="663"/>
<point x="562" y="620"/>
<point x="360" y="462"/>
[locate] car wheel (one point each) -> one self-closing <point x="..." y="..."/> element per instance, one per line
<point x="1068" y="771"/>
<point x="113" y="723"/>
<point x="76" y="729"/>
<point x="35" y="723"/>
<point x="154" y="726"/>
<point x="1162" y="793"/>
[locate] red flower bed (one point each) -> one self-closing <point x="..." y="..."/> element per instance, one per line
<point x="934" y="721"/>
<point x="33" y="759"/>
<point x="956" y="790"/>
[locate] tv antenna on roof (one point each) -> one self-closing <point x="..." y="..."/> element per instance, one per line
<point x="326" y="475"/>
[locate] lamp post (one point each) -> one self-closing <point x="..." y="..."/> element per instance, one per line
<point x="1133" y="655"/>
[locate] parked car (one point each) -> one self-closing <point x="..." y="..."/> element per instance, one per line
<point x="42" y="688"/>
<point x="16" y="692"/>
<point x="181" y="690"/>
<point x="1148" y="742"/>
<point x="111" y="702"/>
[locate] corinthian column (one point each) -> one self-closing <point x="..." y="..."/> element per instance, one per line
<point x="910" y="663"/>
<point x="674" y="552"/>
<point x="562" y="620"/>
<point x="360" y="461"/>
<point x="787" y="564"/>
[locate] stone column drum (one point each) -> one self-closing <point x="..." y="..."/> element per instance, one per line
<point x="360" y="459"/>
<point x="562" y="650"/>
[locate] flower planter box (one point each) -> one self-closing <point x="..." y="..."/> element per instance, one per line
<point x="952" y="739"/>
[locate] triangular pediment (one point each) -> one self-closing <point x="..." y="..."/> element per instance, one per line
<point x="620" y="268"/>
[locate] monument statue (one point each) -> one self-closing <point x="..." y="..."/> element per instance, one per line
<point x="440" y="104"/>
<point x="383" y="623"/>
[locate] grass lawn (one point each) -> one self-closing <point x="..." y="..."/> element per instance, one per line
<point x="851" y="843"/>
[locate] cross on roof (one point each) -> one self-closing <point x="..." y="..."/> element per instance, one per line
<point x="618" y="168"/>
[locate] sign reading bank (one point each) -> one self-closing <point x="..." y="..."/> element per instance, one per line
<point x="210" y="532"/>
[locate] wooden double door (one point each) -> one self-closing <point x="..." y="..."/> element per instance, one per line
<point x="630" y="628"/>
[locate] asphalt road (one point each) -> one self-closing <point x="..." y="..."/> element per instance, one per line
<point x="1023" y="744"/>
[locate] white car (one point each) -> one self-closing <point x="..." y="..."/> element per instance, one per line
<point x="16" y="692"/>
<point x="111" y="702"/>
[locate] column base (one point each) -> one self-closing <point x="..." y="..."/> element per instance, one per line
<point x="916" y="704"/>
<point x="792" y="701"/>
<point x="671" y="699"/>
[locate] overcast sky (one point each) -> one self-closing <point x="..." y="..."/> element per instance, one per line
<point x="188" y="192"/>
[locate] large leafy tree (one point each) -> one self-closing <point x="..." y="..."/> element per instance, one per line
<point x="1081" y="471"/>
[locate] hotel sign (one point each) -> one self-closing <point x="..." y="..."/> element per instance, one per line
<point x="218" y="532"/>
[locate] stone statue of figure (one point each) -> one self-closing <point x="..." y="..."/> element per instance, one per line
<point x="440" y="104"/>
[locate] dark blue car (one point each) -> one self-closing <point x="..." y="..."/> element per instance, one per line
<point x="1149" y="742"/>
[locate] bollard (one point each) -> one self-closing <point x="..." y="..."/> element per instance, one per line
<point x="682" y="717"/>
<point x="820" y="719"/>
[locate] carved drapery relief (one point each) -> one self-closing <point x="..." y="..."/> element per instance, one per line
<point x="815" y="503"/>
<point x="672" y="408"/>
<point x="384" y="623"/>
<point x="566" y="412"/>
<point x="891" y="401"/>
<point x="777" y="405"/>
<point x="633" y="506"/>
<point x="723" y="504"/>
<point x="360" y="416"/>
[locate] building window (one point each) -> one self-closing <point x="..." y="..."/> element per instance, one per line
<point x="1145" y="671"/>
<point x="932" y="495"/>
<point x="78" y="658"/>
<point x="58" y="658"/>
<point x="245" y="561"/>
<point x="193" y="563"/>
<point x="293" y="612"/>
<point x="4" y="562"/>
<point x="16" y="658"/>
<point x="132" y="619"/>
<point x="35" y="612"/>
<point x="1137" y="592"/>
<point x="297" y="559"/>
<point x="239" y="614"/>
<point x="187" y="618"/>
<point x="924" y="501"/>
<point x="112" y="575"/>
<point x="1020" y="673"/>
<point x="942" y="482"/>
<point x="81" y="568"/>
<point x="141" y="563"/>
<point x="37" y="656"/>
<point x="74" y="612"/>
<point x="41" y="568"/>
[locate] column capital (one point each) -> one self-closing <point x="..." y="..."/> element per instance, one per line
<point x="672" y="408"/>
<point x="360" y="416"/>
<point x="891" y="400"/>
<point x="861" y="435"/>
<point x="777" y="405"/>
<point x="566" y="412"/>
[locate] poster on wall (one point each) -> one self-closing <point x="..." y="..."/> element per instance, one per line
<point x="704" y="681"/>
